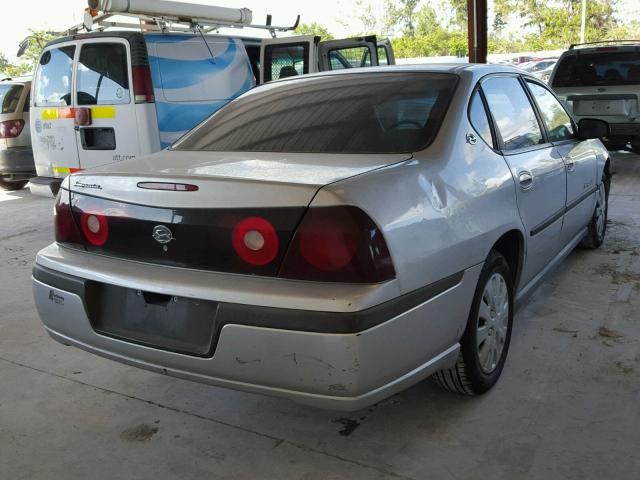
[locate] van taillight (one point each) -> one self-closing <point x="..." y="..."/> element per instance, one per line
<point x="338" y="244"/>
<point x="66" y="230"/>
<point x="11" y="128"/>
<point x="142" y="84"/>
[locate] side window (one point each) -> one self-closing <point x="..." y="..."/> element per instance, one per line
<point x="103" y="74"/>
<point x="513" y="113"/>
<point x="352" y="57"/>
<point x="53" y="79"/>
<point x="479" y="119"/>
<point x="383" y="57"/>
<point x="555" y="117"/>
<point x="288" y="60"/>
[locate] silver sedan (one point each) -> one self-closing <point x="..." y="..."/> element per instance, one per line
<point x="332" y="239"/>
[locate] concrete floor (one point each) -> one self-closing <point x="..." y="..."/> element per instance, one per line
<point x="567" y="406"/>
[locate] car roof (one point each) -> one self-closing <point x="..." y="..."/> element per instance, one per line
<point x="602" y="48"/>
<point x="476" y="70"/>
<point x="20" y="79"/>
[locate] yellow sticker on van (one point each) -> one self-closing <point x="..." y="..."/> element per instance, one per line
<point x="70" y="112"/>
<point x="103" y="112"/>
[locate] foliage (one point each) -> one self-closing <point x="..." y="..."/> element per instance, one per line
<point x="314" y="29"/>
<point x="25" y="65"/>
<point x="429" y="28"/>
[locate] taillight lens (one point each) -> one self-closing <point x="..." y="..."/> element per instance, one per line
<point x="95" y="228"/>
<point x="11" y="128"/>
<point x="338" y="244"/>
<point x="142" y="84"/>
<point x="255" y="241"/>
<point x="82" y="116"/>
<point x="66" y="230"/>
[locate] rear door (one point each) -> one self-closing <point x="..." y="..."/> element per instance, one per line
<point x="348" y="53"/>
<point x="288" y="57"/>
<point x="52" y="115"/>
<point x="106" y="130"/>
<point x="536" y="165"/>
<point x="385" y="53"/>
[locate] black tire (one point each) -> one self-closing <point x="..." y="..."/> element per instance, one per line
<point x="614" y="146"/>
<point x="12" y="186"/>
<point x="597" y="231"/>
<point x="467" y="376"/>
<point x="635" y="146"/>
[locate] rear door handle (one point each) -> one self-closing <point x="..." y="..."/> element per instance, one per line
<point x="526" y="180"/>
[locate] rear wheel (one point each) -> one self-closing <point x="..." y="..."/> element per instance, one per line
<point x="12" y="185"/>
<point x="635" y="145"/>
<point x="485" y="343"/>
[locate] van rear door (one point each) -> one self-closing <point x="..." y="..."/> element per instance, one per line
<point x="52" y="115"/>
<point x="348" y="53"/>
<point x="288" y="57"/>
<point x="106" y="125"/>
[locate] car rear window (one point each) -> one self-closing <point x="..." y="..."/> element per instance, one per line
<point x="10" y="97"/>
<point x="350" y="113"/>
<point x="602" y="68"/>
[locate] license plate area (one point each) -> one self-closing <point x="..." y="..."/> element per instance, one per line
<point x="176" y="324"/>
<point x="601" y="107"/>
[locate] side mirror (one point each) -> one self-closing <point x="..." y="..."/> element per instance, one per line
<point x="24" y="44"/>
<point x="592" y="128"/>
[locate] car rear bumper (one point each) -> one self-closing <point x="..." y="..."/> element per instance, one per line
<point x="335" y="360"/>
<point x="17" y="160"/>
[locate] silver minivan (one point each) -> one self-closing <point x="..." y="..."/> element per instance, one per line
<point x="16" y="156"/>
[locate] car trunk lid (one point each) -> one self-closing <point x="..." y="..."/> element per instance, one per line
<point x="229" y="180"/>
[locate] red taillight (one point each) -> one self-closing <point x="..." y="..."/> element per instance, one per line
<point x="95" y="228"/>
<point x="338" y="244"/>
<point x="142" y="84"/>
<point x="11" y="128"/>
<point x="66" y="230"/>
<point x="255" y="241"/>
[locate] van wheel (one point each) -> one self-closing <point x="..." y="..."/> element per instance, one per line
<point x="635" y="145"/>
<point x="598" y="225"/>
<point x="485" y="342"/>
<point x="12" y="186"/>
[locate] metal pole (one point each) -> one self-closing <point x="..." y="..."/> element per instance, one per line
<point x="583" y="25"/>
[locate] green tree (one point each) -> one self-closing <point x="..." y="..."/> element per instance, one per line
<point x="402" y="13"/>
<point x="27" y="62"/>
<point x="4" y="64"/>
<point x="314" y="29"/>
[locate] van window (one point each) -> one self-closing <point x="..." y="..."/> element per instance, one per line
<point x="288" y="60"/>
<point x="352" y="57"/>
<point x="602" y="68"/>
<point x="10" y="96"/>
<point x="103" y="76"/>
<point x="373" y="113"/>
<point x="513" y="113"/>
<point x="383" y="56"/>
<point x="53" y="79"/>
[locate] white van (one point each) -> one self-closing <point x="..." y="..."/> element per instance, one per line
<point x="107" y="96"/>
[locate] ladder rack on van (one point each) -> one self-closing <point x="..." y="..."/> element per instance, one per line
<point x="168" y="16"/>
